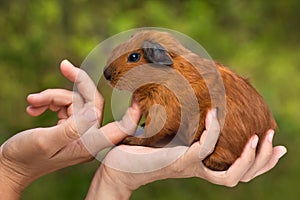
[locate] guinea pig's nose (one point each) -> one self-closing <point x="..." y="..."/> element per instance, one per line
<point x="107" y="74"/>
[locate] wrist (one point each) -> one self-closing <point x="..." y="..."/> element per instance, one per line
<point x="13" y="176"/>
<point x="107" y="184"/>
<point x="9" y="189"/>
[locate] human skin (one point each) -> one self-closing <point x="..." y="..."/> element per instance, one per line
<point x="247" y="167"/>
<point x="39" y="151"/>
<point x="79" y="123"/>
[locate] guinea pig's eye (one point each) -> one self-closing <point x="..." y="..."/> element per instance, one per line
<point x="134" y="57"/>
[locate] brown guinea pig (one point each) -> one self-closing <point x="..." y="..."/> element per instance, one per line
<point x="148" y="64"/>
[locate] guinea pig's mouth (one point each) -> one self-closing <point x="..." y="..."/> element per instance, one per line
<point x="107" y="73"/>
<point x="108" y="76"/>
<point x="113" y="81"/>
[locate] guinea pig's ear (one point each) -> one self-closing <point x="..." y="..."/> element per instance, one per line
<point x="155" y="53"/>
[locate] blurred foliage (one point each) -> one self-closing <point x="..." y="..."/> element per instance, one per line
<point x="258" y="39"/>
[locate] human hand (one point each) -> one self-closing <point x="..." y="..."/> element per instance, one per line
<point x="77" y="137"/>
<point x="187" y="162"/>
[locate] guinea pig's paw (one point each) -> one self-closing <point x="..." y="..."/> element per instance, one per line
<point x="131" y="140"/>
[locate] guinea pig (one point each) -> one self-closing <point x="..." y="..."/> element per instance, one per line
<point x="245" y="112"/>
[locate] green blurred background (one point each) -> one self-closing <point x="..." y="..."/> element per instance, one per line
<point x="258" y="39"/>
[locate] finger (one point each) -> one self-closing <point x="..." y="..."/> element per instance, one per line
<point x="57" y="97"/>
<point x="72" y="128"/>
<point x="118" y="130"/>
<point x="130" y="120"/>
<point x="112" y="133"/>
<point x="36" y="111"/>
<point x="262" y="157"/>
<point x="144" y="159"/>
<point x="211" y="136"/>
<point x="278" y="152"/>
<point x="233" y="175"/>
<point x="85" y="85"/>
<point x="62" y="113"/>
<point x="70" y="111"/>
<point x="55" y="108"/>
<point x="209" y="118"/>
<point x="242" y="164"/>
<point x="61" y="121"/>
<point x="52" y="99"/>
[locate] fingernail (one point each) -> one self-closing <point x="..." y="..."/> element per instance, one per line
<point x="254" y="142"/>
<point x="214" y="112"/>
<point x="30" y="97"/>
<point x="33" y="95"/>
<point x="284" y="151"/>
<point x="270" y="136"/>
<point x="66" y="61"/>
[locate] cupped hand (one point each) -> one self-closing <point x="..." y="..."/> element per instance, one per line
<point x="76" y="138"/>
<point x="135" y="166"/>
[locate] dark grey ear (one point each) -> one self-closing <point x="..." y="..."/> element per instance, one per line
<point x="155" y="53"/>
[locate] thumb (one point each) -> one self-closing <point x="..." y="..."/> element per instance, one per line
<point x="130" y="120"/>
<point x="118" y="130"/>
<point x="113" y="133"/>
<point x="75" y="126"/>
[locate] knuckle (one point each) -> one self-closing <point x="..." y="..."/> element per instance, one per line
<point x="47" y="91"/>
<point x="70" y="130"/>
<point x="82" y="74"/>
<point x="249" y="160"/>
<point x="204" y="152"/>
<point x="77" y="97"/>
<point x="266" y="154"/>
<point x="246" y="179"/>
<point x="231" y="183"/>
<point x="70" y="111"/>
